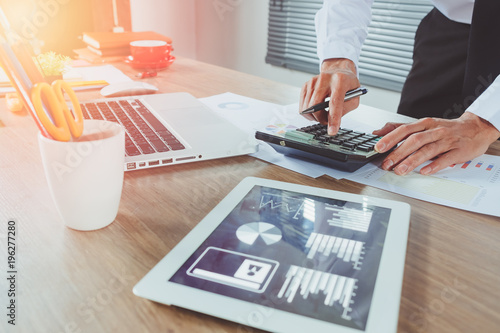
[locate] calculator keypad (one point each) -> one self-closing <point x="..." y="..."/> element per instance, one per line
<point x="345" y="139"/>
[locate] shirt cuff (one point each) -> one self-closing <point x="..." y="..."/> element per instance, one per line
<point x="338" y="49"/>
<point x="341" y="28"/>
<point x="487" y="105"/>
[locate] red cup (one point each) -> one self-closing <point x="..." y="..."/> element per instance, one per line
<point x="149" y="51"/>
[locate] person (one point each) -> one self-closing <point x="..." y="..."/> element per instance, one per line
<point x="438" y="89"/>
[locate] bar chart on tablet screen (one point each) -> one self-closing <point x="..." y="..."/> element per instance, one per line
<point x="302" y="282"/>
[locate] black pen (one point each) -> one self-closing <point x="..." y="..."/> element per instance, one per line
<point x="348" y="95"/>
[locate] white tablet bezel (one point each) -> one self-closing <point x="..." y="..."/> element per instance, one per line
<point x="384" y="309"/>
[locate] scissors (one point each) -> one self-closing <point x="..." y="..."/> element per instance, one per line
<point x="56" y="117"/>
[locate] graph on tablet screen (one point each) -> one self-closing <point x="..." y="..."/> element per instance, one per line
<point x="304" y="254"/>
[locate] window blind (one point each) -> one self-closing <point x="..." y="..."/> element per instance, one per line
<point x="386" y="56"/>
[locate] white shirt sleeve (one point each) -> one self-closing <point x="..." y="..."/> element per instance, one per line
<point x="341" y="28"/>
<point x="487" y="105"/>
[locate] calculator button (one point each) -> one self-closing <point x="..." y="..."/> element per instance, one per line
<point x="324" y="138"/>
<point x="365" y="148"/>
<point x="349" y="145"/>
<point x="336" y="141"/>
<point x="365" y="138"/>
<point x="357" y="133"/>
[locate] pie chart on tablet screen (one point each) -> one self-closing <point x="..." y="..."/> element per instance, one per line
<point x="249" y="233"/>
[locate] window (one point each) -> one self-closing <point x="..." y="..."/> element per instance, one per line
<point x="386" y="56"/>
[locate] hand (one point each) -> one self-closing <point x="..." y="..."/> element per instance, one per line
<point x="336" y="78"/>
<point x="448" y="141"/>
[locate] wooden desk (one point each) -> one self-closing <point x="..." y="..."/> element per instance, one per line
<point x="70" y="281"/>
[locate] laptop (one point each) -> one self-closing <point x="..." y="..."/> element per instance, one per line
<point x="161" y="129"/>
<point x="165" y="129"/>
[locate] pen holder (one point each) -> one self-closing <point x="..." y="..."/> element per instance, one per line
<point x="85" y="176"/>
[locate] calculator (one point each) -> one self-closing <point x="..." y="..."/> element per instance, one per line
<point x="348" y="150"/>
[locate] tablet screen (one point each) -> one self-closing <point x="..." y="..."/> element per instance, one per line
<point x="308" y="255"/>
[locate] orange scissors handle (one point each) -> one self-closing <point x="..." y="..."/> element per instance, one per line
<point x="64" y="125"/>
<point x="75" y="119"/>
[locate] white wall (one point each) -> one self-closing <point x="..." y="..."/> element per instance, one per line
<point x="228" y="33"/>
<point x="172" y="18"/>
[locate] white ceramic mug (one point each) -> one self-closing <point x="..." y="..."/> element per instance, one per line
<point x="85" y="176"/>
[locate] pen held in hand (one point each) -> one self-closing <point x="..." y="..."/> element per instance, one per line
<point x="348" y="95"/>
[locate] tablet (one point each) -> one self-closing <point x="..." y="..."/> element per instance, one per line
<point x="287" y="258"/>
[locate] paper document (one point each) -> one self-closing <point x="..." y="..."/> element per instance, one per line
<point x="472" y="186"/>
<point x="251" y="115"/>
<point x="108" y="73"/>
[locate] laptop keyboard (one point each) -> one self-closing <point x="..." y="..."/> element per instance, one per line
<point x="145" y="134"/>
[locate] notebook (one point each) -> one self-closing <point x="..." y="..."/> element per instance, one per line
<point x="161" y="129"/>
<point x="107" y="40"/>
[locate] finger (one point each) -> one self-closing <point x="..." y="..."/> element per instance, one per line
<point x="399" y="134"/>
<point x="340" y="84"/>
<point x="320" y="117"/>
<point x="309" y="116"/>
<point x="305" y="95"/>
<point x="321" y="89"/>
<point x="336" y="107"/>
<point x="388" y="127"/>
<point x="302" y="97"/>
<point x="443" y="161"/>
<point x="350" y="105"/>
<point x="310" y="86"/>
<point x="320" y="92"/>
<point x="417" y="149"/>
<point x="424" y="154"/>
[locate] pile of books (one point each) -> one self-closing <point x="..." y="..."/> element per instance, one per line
<point x="113" y="46"/>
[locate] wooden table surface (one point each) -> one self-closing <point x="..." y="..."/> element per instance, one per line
<point x="71" y="281"/>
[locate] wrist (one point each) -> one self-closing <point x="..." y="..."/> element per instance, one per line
<point x="338" y="64"/>
<point x="485" y="127"/>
